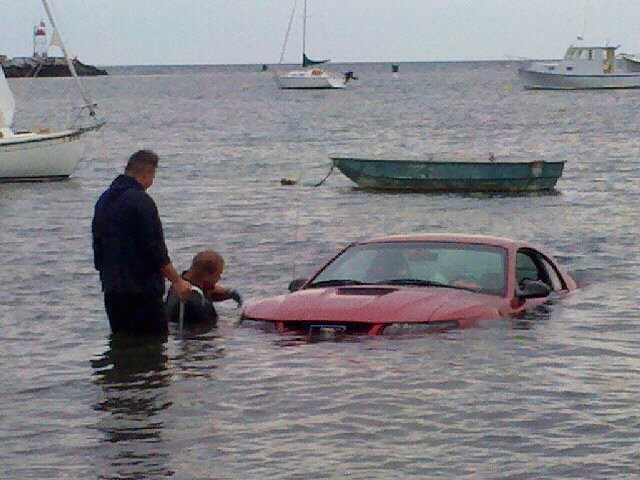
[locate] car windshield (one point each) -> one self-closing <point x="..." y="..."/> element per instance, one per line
<point x="474" y="267"/>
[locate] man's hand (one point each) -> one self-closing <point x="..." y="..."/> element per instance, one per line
<point x="235" y="295"/>
<point x="182" y="288"/>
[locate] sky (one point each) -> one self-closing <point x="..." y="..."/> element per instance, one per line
<point x="178" y="32"/>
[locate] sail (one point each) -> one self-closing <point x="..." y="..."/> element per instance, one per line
<point x="306" y="61"/>
<point x="7" y="102"/>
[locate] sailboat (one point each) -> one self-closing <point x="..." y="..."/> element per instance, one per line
<point x="306" y="77"/>
<point x="41" y="155"/>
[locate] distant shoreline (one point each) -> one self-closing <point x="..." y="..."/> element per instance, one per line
<point x="270" y="65"/>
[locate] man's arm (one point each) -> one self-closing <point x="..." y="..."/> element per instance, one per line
<point x="179" y="284"/>
<point x="219" y="293"/>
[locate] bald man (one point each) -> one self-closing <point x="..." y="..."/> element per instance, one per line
<point x="204" y="274"/>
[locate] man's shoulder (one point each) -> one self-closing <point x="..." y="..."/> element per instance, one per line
<point x="139" y="199"/>
<point x="197" y="309"/>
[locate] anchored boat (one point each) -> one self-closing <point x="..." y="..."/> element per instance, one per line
<point x="582" y="67"/>
<point x="495" y="174"/>
<point x="40" y="155"/>
<point x="307" y="78"/>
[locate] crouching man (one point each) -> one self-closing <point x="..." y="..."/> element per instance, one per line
<point x="204" y="274"/>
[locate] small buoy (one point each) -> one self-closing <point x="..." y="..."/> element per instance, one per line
<point x="287" y="181"/>
<point x="394" y="68"/>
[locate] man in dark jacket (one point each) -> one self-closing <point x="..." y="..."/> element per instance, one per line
<point x="204" y="274"/>
<point x="130" y="252"/>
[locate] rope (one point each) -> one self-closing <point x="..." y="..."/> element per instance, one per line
<point x="286" y="37"/>
<point x="182" y="307"/>
<point x="181" y="319"/>
<point x="325" y="178"/>
<point x="56" y="36"/>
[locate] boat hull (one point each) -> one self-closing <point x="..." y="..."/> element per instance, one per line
<point x="451" y="176"/>
<point x="307" y="82"/>
<point x="39" y="157"/>
<point x="534" y="80"/>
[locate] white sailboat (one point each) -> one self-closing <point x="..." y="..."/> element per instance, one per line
<point x="310" y="76"/>
<point x="42" y="155"/>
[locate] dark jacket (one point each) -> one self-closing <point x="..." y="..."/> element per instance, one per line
<point x="128" y="242"/>
<point x="198" y="310"/>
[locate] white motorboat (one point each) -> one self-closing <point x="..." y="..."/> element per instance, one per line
<point x="39" y="155"/>
<point x="583" y="67"/>
<point x="310" y="76"/>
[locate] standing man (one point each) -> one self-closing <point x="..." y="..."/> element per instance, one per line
<point x="130" y="253"/>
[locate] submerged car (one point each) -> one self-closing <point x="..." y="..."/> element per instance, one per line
<point x="442" y="281"/>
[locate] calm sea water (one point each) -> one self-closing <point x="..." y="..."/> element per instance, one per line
<point x="554" y="396"/>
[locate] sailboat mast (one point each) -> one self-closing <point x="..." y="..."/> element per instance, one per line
<point x="304" y="28"/>
<point x="58" y="39"/>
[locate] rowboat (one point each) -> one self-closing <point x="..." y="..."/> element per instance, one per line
<point x="495" y="174"/>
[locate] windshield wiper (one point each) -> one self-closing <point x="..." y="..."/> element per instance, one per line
<point x="335" y="282"/>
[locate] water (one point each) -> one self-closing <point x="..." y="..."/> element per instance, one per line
<point x="552" y="396"/>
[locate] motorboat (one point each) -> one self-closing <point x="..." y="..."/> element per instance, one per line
<point x="583" y="67"/>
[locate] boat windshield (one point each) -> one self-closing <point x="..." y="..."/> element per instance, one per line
<point x="588" y="53"/>
<point x="474" y="267"/>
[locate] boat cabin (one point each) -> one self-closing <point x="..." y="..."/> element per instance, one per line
<point x="589" y="60"/>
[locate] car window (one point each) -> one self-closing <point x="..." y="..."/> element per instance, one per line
<point x="353" y="264"/>
<point x="552" y="275"/>
<point x="477" y="267"/>
<point x="526" y="268"/>
<point x="534" y="266"/>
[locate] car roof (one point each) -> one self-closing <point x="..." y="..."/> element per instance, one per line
<point x="450" y="237"/>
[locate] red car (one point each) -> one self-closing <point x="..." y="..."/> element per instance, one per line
<point x="442" y="281"/>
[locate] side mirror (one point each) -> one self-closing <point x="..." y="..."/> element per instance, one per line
<point x="532" y="289"/>
<point x="295" y="285"/>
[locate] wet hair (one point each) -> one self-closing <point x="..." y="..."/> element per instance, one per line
<point x="141" y="162"/>
<point x="207" y="261"/>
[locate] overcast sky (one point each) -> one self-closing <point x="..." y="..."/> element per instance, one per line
<point x="147" y="32"/>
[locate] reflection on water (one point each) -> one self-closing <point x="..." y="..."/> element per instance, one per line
<point x="193" y="330"/>
<point x="199" y="352"/>
<point x="134" y="378"/>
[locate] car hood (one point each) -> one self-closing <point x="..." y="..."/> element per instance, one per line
<point x="378" y="304"/>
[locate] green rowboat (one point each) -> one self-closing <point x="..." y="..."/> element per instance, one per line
<point x="497" y="174"/>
